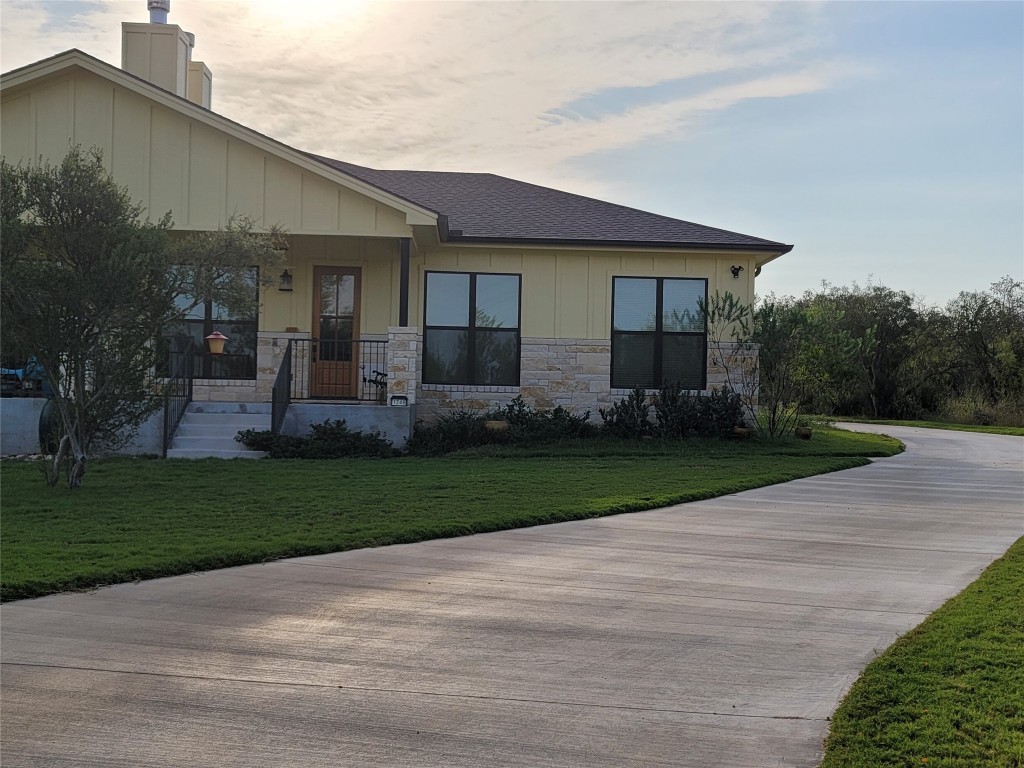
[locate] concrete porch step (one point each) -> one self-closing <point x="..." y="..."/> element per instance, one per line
<point x="208" y="430"/>
<point x="189" y="453"/>
<point x="224" y="421"/>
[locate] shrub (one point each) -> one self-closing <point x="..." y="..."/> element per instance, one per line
<point x="460" y="428"/>
<point x="526" y="423"/>
<point x="678" y="411"/>
<point x="456" y="429"/>
<point x="629" y="416"/>
<point x="721" y="410"/>
<point x="330" y="440"/>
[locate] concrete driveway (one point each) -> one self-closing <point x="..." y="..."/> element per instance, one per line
<point x="719" y="633"/>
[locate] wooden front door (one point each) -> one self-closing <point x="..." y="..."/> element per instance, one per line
<point x="336" y="332"/>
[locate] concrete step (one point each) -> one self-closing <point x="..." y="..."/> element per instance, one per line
<point x="189" y="453"/>
<point x="226" y="421"/>
<point x="206" y="406"/>
<point x="208" y="430"/>
<point x="214" y="430"/>
<point x="213" y="442"/>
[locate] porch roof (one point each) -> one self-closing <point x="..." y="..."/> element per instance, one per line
<point x="483" y="207"/>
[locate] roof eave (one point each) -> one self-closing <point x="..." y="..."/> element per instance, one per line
<point x="775" y="248"/>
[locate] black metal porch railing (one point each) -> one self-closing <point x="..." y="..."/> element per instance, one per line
<point x="339" y="370"/>
<point x="178" y="393"/>
<point x="281" y="393"/>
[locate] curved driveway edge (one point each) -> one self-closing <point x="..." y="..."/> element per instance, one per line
<point x="716" y="633"/>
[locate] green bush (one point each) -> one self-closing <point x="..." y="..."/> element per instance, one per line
<point x="629" y="416"/>
<point x="678" y="413"/>
<point x="719" y="411"/>
<point x="330" y="440"/>
<point x="459" y="428"/>
<point x="526" y="423"/>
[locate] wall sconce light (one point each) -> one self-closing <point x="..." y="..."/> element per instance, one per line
<point x="735" y="271"/>
<point x="286" y="281"/>
<point x="216" y="342"/>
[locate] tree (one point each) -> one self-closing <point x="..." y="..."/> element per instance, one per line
<point x="89" y="284"/>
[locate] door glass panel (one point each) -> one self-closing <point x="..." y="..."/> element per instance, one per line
<point x="328" y="295"/>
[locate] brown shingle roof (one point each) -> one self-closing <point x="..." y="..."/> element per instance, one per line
<point x="482" y="207"/>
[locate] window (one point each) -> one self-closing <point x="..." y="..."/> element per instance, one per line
<point x="239" y="358"/>
<point x="471" y="329"/>
<point x="658" y="332"/>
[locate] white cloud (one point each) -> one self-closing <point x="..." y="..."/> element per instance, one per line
<point x="463" y="86"/>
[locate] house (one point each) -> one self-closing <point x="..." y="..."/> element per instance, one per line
<point x="443" y="289"/>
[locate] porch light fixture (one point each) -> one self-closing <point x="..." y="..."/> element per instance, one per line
<point x="286" y="281"/>
<point x="735" y="270"/>
<point x="216" y="341"/>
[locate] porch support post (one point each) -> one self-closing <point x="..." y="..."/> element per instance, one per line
<point x="403" y="284"/>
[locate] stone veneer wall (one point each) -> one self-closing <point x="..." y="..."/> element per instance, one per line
<point x="572" y="373"/>
<point x="403" y="355"/>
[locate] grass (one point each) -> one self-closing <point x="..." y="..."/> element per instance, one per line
<point x="143" y="518"/>
<point x="1017" y="431"/>
<point x="949" y="694"/>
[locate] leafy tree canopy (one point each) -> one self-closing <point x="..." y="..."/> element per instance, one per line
<point x="89" y="283"/>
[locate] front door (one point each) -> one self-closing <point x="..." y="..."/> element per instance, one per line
<point x="335" y="330"/>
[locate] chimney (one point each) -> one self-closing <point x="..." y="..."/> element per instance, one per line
<point x="161" y="54"/>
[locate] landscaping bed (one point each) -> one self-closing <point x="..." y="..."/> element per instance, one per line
<point x="143" y="518"/>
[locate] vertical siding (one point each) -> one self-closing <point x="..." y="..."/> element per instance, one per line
<point x="282" y="193"/>
<point x="567" y="293"/>
<point x="16" y="129"/>
<point x="172" y="162"/>
<point x="539" y="293"/>
<point x="169" y="151"/>
<point x="244" y="187"/>
<point x="207" y="182"/>
<point x="319" y="204"/>
<point x="53" y="108"/>
<point x="129" y="153"/>
<point x="94" y="116"/>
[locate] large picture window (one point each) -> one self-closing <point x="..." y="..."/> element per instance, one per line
<point x="659" y="332"/>
<point x="471" y="329"/>
<point x="239" y="358"/>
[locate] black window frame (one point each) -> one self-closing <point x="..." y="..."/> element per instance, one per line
<point x="206" y="366"/>
<point x="659" y="333"/>
<point x="471" y="328"/>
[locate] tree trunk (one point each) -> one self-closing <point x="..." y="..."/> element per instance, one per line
<point x="53" y="475"/>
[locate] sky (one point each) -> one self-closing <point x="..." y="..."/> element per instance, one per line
<point x="884" y="140"/>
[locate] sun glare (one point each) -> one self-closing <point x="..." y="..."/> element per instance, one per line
<point x="306" y="13"/>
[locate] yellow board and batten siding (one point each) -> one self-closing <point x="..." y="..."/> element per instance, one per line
<point x="172" y="162"/>
<point x="566" y="293"/>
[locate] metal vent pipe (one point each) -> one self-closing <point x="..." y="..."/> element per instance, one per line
<point x="158" y="10"/>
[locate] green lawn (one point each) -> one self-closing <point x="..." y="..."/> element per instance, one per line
<point x="1017" y="431"/>
<point x="950" y="693"/>
<point x="141" y="518"/>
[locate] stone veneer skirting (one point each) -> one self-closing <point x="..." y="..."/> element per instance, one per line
<point x="572" y="373"/>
